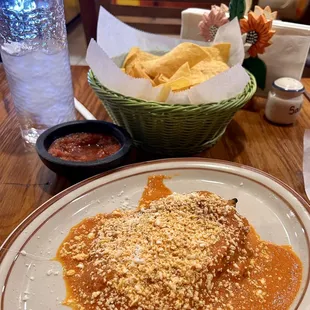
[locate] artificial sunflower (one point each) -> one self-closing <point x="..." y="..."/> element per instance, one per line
<point x="212" y="21"/>
<point x="258" y="31"/>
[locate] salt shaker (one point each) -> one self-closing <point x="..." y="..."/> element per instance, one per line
<point x="284" y="101"/>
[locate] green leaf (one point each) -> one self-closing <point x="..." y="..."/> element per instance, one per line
<point x="258" y="68"/>
<point x="236" y="9"/>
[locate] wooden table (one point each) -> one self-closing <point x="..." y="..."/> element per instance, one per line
<point x="25" y="183"/>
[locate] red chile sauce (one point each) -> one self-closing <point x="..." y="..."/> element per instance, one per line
<point x="84" y="147"/>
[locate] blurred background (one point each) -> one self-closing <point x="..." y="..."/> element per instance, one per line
<point x="156" y="16"/>
<point x="72" y="9"/>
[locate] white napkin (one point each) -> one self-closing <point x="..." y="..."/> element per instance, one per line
<point x="285" y="57"/>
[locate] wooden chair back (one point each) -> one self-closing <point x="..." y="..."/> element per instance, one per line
<point x="163" y="17"/>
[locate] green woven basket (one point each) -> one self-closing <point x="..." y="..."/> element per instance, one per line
<point x="171" y="130"/>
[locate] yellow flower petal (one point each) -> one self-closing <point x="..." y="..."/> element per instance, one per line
<point x="258" y="10"/>
<point x="274" y="15"/>
<point x="267" y="9"/>
<point x="266" y="12"/>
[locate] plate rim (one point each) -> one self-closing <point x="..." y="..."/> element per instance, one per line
<point x="34" y="214"/>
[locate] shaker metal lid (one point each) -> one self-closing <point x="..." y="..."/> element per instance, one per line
<point x="287" y="84"/>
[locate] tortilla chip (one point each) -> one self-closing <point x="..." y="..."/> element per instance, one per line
<point x="134" y="56"/>
<point x="224" y="49"/>
<point x="186" y="65"/>
<point x="169" y="63"/>
<point x="160" y="79"/>
<point x="164" y="93"/>
<point x="214" y="66"/>
<point x="205" y="70"/>
<point x="131" y="56"/>
<point x="214" y="53"/>
<point x="218" y="52"/>
<point x="197" y="76"/>
<point x="179" y="84"/>
<point x="138" y="72"/>
<point x="183" y="71"/>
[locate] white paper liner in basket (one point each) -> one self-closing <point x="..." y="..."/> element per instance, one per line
<point x="115" y="39"/>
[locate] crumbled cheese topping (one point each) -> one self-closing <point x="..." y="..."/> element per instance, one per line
<point x="162" y="257"/>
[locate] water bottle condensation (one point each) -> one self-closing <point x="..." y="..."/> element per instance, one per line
<point x="34" y="50"/>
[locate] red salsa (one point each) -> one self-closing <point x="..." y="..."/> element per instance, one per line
<point x="83" y="146"/>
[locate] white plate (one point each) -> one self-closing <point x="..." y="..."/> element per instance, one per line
<point x="34" y="282"/>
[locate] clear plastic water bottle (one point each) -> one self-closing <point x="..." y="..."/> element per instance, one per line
<point x="34" y="50"/>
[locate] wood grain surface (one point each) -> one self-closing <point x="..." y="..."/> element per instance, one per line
<point x="25" y="183"/>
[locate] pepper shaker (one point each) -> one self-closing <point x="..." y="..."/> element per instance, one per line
<point x="284" y="101"/>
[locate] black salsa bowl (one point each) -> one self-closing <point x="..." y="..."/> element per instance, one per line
<point x="79" y="169"/>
